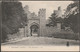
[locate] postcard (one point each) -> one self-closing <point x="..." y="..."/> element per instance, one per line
<point x="40" y="25"/>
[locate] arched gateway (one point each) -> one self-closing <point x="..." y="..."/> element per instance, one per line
<point x="36" y="23"/>
<point x="34" y="29"/>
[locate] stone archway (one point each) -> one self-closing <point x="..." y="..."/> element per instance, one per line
<point x="34" y="30"/>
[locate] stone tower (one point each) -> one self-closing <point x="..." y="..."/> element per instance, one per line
<point x="26" y="9"/>
<point x="59" y="14"/>
<point x="42" y="16"/>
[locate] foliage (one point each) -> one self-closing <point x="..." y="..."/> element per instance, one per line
<point x="54" y="20"/>
<point x="72" y="5"/>
<point x="64" y="35"/>
<point x="73" y="18"/>
<point x="13" y="18"/>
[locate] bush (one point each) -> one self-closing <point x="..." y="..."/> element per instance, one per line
<point x="65" y="35"/>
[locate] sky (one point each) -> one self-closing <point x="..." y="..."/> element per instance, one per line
<point x="50" y="6"/>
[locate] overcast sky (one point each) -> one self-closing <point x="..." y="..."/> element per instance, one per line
<point x="50" y="6"/>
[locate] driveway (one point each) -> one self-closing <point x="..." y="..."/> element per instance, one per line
<point x="44" y="41"/>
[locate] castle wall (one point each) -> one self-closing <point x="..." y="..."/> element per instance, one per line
<point x="41" y="20"/>
<point x="51" y="30"/>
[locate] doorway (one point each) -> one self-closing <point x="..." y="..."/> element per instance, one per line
<point x="34" y="30"/>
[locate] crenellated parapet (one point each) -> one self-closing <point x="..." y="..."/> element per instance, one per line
<point x="42" y="12"/>
<point x="42" y="9"/>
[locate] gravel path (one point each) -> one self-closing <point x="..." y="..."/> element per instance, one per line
<point x="44" y="41"/>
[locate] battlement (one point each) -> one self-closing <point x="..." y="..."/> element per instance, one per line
<point x="42" y="12"/>
<point x="42" y="9"/>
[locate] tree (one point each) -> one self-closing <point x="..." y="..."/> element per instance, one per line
<point x="13" y="18"/>
<point x="72" y="19"/>
<point x="54" y="20"/>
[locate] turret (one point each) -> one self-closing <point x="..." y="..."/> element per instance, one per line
<point x="26" y="9"/>
<point x="59" y="8"/>
<point x="42" y="16"/>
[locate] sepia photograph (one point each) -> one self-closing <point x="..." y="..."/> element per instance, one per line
<point x="48" y="25"/>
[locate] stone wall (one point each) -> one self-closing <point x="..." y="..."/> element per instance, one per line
<point x="50" y="30"/>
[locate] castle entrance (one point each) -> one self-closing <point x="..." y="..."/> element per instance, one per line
<point x="34" y="30"/>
